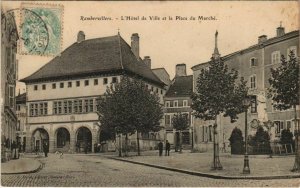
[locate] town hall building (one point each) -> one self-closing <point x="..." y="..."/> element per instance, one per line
<point x="62" y="95"/>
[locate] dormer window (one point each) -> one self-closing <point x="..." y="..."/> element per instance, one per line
<point x="253" y="62"/>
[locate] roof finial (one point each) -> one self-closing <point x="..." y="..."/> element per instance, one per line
<point x="118" y="31"/>
<point x="280" y="23"/>
<point x="216" y="53"/>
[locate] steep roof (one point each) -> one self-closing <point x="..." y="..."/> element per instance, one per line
<point x="182" y="86"/>
<point x="162" y="74"/>
<point x="94" y="56"/>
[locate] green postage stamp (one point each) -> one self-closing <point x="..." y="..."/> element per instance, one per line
<point x="41" y="29"/>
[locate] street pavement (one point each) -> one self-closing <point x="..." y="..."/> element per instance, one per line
<point x="260" y="165"/>
<point x="95" y="170"/>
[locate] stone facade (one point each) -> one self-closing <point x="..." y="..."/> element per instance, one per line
<point x="254" y="64"/>
<point x="62" y="109"/>
<point x="9" y="39"/>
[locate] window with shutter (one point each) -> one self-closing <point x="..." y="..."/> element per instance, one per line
<point x="275" y="57"/>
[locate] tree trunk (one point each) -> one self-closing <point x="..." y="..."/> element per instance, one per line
<point x="120" y="145"/>
<point x="296" y="167"/>
<point x="180" y="141"/>
<point x="216" y="161"/>
<point x="138" y="143"/>
<point x="126" y="145"/>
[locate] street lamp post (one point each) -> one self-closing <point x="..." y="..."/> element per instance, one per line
<point x="246" y="169"/>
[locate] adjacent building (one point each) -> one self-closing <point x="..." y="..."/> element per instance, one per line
<point x="178" y="100"/>
<point x="9" y="39"/>
<point x="62" y="95"/>
<point x="21" y="112"/>
<point x="254" y="64"/>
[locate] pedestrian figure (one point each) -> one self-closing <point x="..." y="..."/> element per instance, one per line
<point x="95" y="148"/>
<point x="46" y="148"/>
<point x="77" y="147"/>
<point x="85" y="148"/>
<point x="160" y="148"/>
<point x="89" y="147"/>
<point x="36" y="149"/>
<point x="21" y="147"/>
<point x="168" y="146"/>
<point x="24" y="147"/>
<point x="14" y="149"/>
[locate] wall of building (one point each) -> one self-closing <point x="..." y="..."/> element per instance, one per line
<point x="8" y="84"/>
<point x="54" y="116"/>
<point x="241" y="61"/>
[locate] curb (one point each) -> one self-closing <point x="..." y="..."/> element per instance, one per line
<point x="207" y="174"/>
<point x="25" y="172"/>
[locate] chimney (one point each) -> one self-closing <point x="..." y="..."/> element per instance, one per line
<point x="262" y="39"/>
<point x="280" y="31"/>
<point x="180" y="70"/>
<point x="135" y="45"/>
<point x="80" y="36"/>
<point x="147" y="61"/>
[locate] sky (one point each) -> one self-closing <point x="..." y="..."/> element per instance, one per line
<point x="171" y="42"/>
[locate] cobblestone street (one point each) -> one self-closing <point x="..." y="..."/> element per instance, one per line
<point x="80" y="170"/>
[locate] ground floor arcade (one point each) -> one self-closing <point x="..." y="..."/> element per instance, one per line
<point x="70" y="138"/>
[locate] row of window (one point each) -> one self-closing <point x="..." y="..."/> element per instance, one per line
<point x="38" y="109"/>
<point x="152" y="89"/>
<point x="168" y="119"/>
<point x="64" y="107"/>
<point x="87" y="83"/>
<point x="275" y="56"/>
<point x="74" y="106"/>
<point x="176" y="103"/>
<point x="76" y="83"/>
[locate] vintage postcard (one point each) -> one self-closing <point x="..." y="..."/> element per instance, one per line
<point x="150" y="94"/>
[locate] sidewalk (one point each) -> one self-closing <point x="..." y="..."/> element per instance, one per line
<point x="261" y="166"/>
<point x="21" y="166"/>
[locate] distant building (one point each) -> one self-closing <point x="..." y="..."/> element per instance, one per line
<point x="254" y="64"/>
<point x="21" y="112"/>
<point x="178" y="99"/>
<point x="9" y="39"/>
<point x="62" y="95"/>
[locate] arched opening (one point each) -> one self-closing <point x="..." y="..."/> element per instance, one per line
<point x="84" y="140"/>
<point x="39" y="137"/>
<point x="63" y="139"/>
